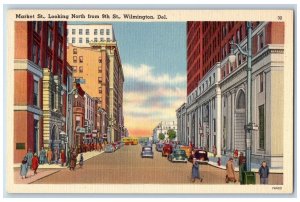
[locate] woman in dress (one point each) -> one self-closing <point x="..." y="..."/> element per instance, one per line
<point x="230" y="175"/>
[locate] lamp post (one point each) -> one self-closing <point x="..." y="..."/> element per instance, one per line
<point x="249" y="124"/>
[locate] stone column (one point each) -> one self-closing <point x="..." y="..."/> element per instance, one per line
<point x="46" y="107"/>
<point x="218" y="120"/>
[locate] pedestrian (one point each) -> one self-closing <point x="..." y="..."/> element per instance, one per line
<point x="42" y="156"/>
<point x="49" y="156"/>
<point x="195" y="171"/>
<point x="81" y="160"/>
<point x="235" y="153"/>
<point x="230" y="175"/>
<point x="29" y="157"/>
<point x="242" y="165"/>
<point x="24" y="169"/>
<point x="56" y="155"/>
<point x="35" y="163"/>
<point x="219" y="161"/>
<point x="73" y="159"/>
<point x="62" y="157"/>
<point x="264" y="173"/>
<point x="214" y="150"/>
<point x="68" y="157"/>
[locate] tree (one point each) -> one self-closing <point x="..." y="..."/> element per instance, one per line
<point x="171" y="134"/>
<point x="161" y="136"/>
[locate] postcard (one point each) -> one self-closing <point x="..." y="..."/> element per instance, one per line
<point x="149" y="101"/>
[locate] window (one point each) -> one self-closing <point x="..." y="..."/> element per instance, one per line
<point x="75" y="51"/>
<point x="50" y="38"/>
<point x="107" y="39"/>
<point x="107" y="31"/>
<point x="74" y="68"/>
<point x="87" y="32"/>
<point x="95" y="31"/>
<point x="95" y="39"/>
<point x="261" y="110"/>
<point x="35" y="135"/>
<point x="80" y="31"/>
<point x="99" y="69"/>
<point x="238" y="36"/>
<point x="101" y="39"/>
<point x="100" y="89"/>
<point x="80" y="59"/>
<point x="73" y="40"/>
<point x="214" y="124"/>
<point x="101" y="31"/>
<point x="261" y="82"/>
<point x="52" y="100"/>
<point x="60" y="50"/>
<point x="61" y="28"/>
<point x="37" y="26"/>
<point x="87" y="40"/>
<point x="77" y="123"/>
<point x="99" y="59"/>
<point x="80" y="69"/>
<point x="261" y="40"/>
<point x="35" y="92"/>
<point x="74" y="59"/>
<point x="80" y="40"/>
<point x="49" y="62"/>
<point x="73" y="31"/>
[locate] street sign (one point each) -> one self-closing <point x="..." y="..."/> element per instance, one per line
<point x="80" y="130"/>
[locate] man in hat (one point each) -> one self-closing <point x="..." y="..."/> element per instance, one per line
<point x="230" y="175"/>
<point x="42" y="156"/>
<point x="29" y="157"/>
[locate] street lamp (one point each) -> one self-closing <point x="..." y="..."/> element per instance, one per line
<point x="249" y="125"/>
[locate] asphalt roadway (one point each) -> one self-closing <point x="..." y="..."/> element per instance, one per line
<point x="125" y="166"/>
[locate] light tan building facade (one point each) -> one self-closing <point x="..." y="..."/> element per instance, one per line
<point x="98" y="62"/>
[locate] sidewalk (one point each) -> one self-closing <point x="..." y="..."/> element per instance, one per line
<point x="213" y="161"/>
<point x="86" y="156"/>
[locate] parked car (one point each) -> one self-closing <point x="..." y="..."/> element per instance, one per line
<point x="200" y="155"/>
<point x="159" y="147"/>
<point x="109" y="148"/>
<point x="187" y="149"/>
<point x="178" y="155"/>
<point x="147" y="152"/>
<point x="167" y="150"/>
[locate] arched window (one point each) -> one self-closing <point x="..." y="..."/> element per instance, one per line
<point x="241" y="102"/>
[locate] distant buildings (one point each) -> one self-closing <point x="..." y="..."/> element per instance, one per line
<point x="163" y="128"/>
<point x="215" y="112"/>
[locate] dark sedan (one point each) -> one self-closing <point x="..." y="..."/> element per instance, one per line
<point x="200" y="155"/>
<point x="178" y="156"/>
<point x="147" y="152"/>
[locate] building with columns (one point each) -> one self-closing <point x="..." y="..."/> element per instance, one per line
<point x="215" y="112"/>
<point x="163" y="127"/>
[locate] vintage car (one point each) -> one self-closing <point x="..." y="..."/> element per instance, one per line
<point x="159" y="147"/>
<point x="187" y="149"/>
<point x="200" y="155"/>
<point x="109" y="148"/>
<point x="178" y="155"/>
<point x="147" y="152"/>
<point x="167" y="150"/>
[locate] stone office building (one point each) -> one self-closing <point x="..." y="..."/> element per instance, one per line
<point x="215" y="112"/>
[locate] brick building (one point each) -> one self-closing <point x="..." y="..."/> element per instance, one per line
<point x="215" y="112"/>
<point x="40" y="73"/>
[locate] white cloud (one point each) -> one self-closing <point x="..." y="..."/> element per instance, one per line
<point x="144" y="73"/>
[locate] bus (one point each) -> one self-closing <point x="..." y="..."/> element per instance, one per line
<point x="130" y="140"/>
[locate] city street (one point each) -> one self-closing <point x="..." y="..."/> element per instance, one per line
<point x="126" y="166"/>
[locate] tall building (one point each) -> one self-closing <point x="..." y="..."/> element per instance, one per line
<point x="94" y="56"/>
<point x="40" y="73"/>
<point x="217" y="90"/>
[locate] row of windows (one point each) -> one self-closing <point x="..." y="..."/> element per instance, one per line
<point x="87" y="31"/>
<point x="87" y="40"/>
